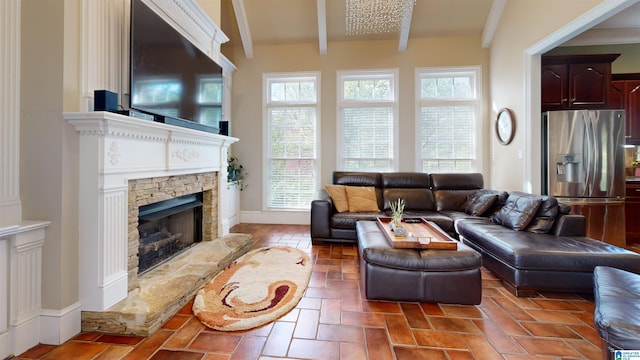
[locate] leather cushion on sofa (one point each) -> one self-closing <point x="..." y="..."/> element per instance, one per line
<point x="525" y="250"/>
<point x="617" y="310"/>
<point x="405" y="180"/>
<point x="451" y="199"/>
<point x="457" y="181"/>
<point x="478" y="203"/>
<point x="443" y="221"/>
<point x="347" y="220"/>
<point x="414" y="199"/>
<point x="356" y="178"/>
<point x="518" y="211"/>
<point x="545" y="217"/>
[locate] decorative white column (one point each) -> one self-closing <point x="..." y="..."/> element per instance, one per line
<point x="114" y="149"/>
<point x="10" y="205"/>
<point x="21" y="263"/>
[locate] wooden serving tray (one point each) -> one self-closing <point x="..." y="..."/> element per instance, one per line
<point x="421" y="234"/>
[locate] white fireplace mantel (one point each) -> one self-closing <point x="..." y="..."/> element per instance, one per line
<point x="114" y="149"/>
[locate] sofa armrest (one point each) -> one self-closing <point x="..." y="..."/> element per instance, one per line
<point x="321" y="212"/>
<point x="569" y="225"/>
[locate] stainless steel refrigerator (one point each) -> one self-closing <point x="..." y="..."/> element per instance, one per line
<point x="583" y="165"/>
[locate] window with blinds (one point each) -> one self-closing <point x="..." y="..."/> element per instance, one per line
<point x="448" y="119"/>
<point x="367" y="117"/>
<point x="291" y="115"/>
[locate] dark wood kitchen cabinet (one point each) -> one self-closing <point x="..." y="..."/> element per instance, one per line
<point x="629" y="87"/>
<point x="576" y="81"/>
<point x="632" y="212"/>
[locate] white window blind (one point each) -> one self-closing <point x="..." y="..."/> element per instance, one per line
<point x="448" y="119"/>
<point x="367" y="113"/>
<point x="291" y="112"/>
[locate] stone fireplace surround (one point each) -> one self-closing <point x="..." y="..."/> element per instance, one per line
<point x="151" y="190"/>
<point x="125" y="162"/>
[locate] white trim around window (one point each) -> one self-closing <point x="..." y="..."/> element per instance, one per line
<point x="448" y="119"/>
<point x="291" y="140"/>
<point x="367" y="120"/>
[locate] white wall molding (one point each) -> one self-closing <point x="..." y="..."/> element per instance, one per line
<point x="21" y="252"/>
<point x="57" y="326"/>
<point x="191" y="21"/>
<point x="101" y="47"/>
<point x="10" y="205"/>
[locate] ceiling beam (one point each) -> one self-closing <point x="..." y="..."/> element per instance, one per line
<point x="322" y="26"/>
<point x="405" y="28"/>
<point x="243" y="27"/>
<point x="493" y="19"/>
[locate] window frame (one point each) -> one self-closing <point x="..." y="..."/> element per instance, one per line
<point x="476" y="103"/>
<point x="394" y="103"/>
<point x="267" y="79"/>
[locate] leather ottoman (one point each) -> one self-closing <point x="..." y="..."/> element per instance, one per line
<point x="617" y="311"/>
<point x="442" y="276"/>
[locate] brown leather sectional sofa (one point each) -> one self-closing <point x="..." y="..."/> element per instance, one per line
<point x="549" y="252"/>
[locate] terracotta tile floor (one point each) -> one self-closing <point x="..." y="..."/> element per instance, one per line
<point x="334" y="321"/>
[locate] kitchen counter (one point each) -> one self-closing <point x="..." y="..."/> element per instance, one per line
<point x="632" y="179"/>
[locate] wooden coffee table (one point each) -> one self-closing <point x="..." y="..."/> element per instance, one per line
<point x="421" y="234"/>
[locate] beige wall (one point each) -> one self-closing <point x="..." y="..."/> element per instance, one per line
<point x="524" y="23"/>
<point x="48" y="153"/>
<point x="212" y="8"/>
<point x="247" y="92"/>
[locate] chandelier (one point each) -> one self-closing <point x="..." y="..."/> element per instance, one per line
<point x="377" y="16"/>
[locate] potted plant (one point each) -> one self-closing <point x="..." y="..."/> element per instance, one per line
<point x="236" y="172"/>
<point x="397" y="210"/>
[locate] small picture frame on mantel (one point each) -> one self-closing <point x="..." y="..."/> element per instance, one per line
<point x="505" y="126"/>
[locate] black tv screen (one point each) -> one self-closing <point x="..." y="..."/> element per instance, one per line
<point x="170" y="77"/>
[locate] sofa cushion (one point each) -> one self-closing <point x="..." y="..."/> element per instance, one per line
<point x="443" y="221"/>
<point x="348" y="220"/>
<point x="405" y="180"/>
<point x="457" y="181"/>
<point x="617" y="310"/>
<point x="478" y="203"/>
<point x="414" y="199"/>
<point x="545" y="217"/>
<point x="362" y="198"/>
<point x="450" y="199"/>
<point x="518" y="211"/>
<point x="544" y="252"/>
<point x="339" y="197"/>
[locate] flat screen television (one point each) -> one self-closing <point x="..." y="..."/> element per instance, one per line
<point x="171" y="78"/>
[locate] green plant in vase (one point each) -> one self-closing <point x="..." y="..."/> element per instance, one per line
<point x="397" y="210"/>
<point x="236" y="172"/>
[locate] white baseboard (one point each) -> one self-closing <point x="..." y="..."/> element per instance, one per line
<point x="25" y="335"/>
<point x="275" y="217"/>
<point x="6" y="347"/>
<point x="58" y="326"/>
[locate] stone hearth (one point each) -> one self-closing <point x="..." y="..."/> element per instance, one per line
<point x="166" y="289"/>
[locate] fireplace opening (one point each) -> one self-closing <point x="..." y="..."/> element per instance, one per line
<point x="166" y="228"/>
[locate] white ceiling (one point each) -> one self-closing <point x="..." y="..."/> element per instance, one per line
<point x="323" y="21"/>
<point x="294" y="21"/>
<point x="622" y="28"/>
